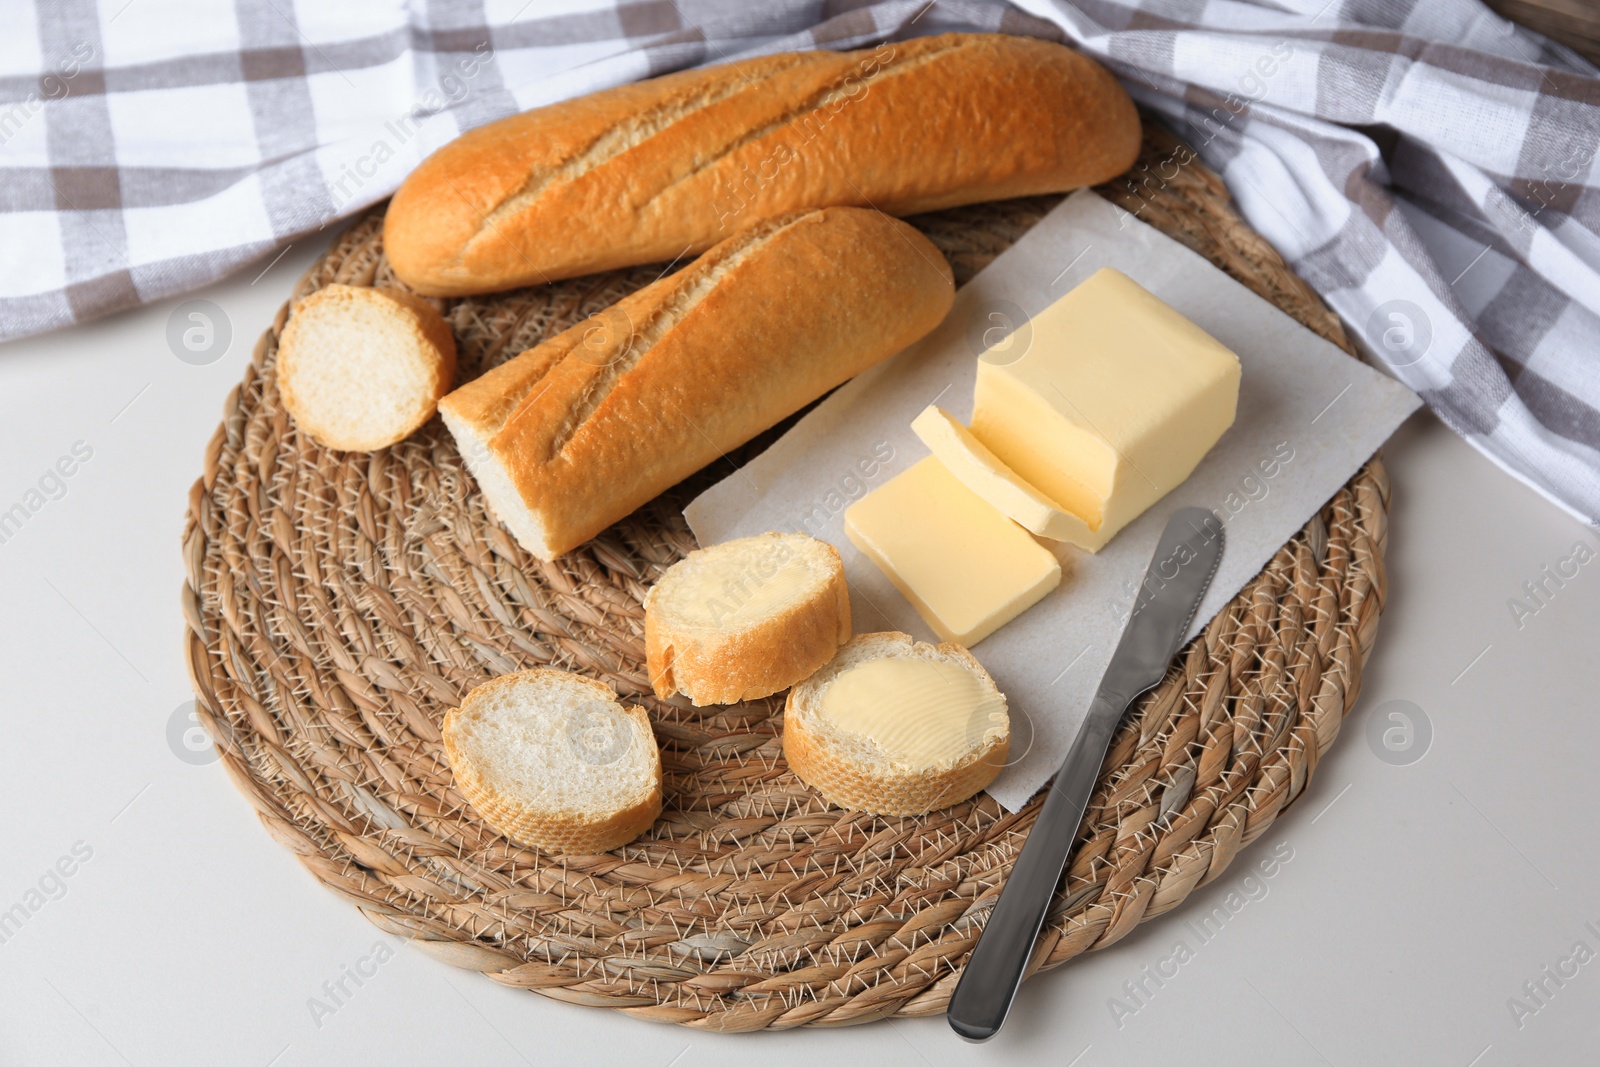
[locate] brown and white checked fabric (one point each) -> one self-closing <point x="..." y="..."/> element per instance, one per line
<point x="1429" y="167"/>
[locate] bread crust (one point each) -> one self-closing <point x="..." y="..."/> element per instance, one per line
<point x="845" y="784"/>
<point x="576" y="433"/>
<point x="713" y="665"/>
<point x="644" y="172"/>
<point x="555" y="831"/>
<point x="430" y="333"/>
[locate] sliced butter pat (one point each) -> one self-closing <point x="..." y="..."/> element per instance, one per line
<point x="982" y="471"/>
<point x="965" y="567"/>
<point x="923" y="714"/>
<point x="1113" y="404"/>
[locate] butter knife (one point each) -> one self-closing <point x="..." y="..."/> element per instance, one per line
<point x="1179" y="573"/>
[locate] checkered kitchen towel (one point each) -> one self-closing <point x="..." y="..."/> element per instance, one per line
<point x="1426" y="165"/>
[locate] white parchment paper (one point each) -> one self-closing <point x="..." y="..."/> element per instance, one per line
<point x="1309" y="416"/>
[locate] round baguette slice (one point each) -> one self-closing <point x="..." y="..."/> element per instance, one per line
<point x="552" y="760"/>
<point x="361" y="368"/>
<point x="947" y="739"/>
<point x="746" y="618"/>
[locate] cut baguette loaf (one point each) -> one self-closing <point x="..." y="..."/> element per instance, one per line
<point x="645" y="172"/>
<point x="854" y="771"/>
<point x="552" y="760"/>
<point x="361" y="368"/>
<point x="746" y="618"/>
<point x="574" y="434"/>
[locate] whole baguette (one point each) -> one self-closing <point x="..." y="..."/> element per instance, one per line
<point x="646" y="172"/>
<point x="572" y="435"/>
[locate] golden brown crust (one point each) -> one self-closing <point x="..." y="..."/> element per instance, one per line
<point x="845" y="784"/>
<point x="486" y="402"/>
<point x="715" y="666"/>
<point x="645" y="172"/>
<point x="553" y="831"/>
<point x="608" y="414"/>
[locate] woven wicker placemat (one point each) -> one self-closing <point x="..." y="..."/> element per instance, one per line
<point x="339" y="603"/>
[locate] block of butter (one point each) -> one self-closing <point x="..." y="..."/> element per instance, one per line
<point x="1111" y="406"/>
<point x="965" y="567"/>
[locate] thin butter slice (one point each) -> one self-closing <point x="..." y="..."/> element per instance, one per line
<point x="965" y="567"/>
<point x="921" y="713"/>
<point x="983" y="472"/>
<point x="1114" y="403"/>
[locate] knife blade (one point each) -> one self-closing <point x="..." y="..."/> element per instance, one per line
<point x="1185" y="560"/>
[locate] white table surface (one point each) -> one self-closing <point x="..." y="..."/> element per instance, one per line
<point x="1419" y="899"/>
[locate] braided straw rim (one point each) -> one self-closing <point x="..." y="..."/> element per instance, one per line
<point x="338" y="603"/>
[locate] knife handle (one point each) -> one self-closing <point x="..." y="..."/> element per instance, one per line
<point x="983" y="996"/>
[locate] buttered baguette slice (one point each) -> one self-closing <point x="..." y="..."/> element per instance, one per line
<point x="361" y="368"/>
<point x="574" y="434"/>
<point x="645" y="172"/>
<point x="897" y="727"/>
<point x="746" y="618"/>
<point x="552" y="760"/>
